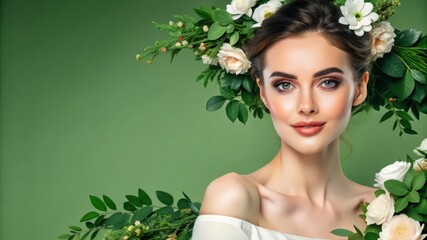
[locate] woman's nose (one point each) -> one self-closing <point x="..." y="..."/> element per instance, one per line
<point x="307" y="104"/>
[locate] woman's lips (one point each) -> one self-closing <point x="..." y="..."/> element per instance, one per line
<point x="308" y="128"/>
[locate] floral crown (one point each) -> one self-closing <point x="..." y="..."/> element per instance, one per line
<point x="399" y="58"/>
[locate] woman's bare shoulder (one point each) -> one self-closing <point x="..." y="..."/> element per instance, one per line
<point x="232" y="195"/>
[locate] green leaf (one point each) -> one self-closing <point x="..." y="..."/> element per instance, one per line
<point x="223" y="17"/>
<point x="227" y="92"/>
<point x="164" y="198"/>
<point x="174" y="53"/>
<point x="204" y="13"/>
<point x="110" y="204"/>
<point x="409" y="177"/>
<point x="143" y="196"/>
<point x="391" y="65"/>
<point x="214" y="103"/>
<point x="234" y="38"/>
<point x="422" y="42"/>
<point x="407" y="38"/>
<point x="422" y="206"/>
<point x="419" y="76"/>
<point x="71" y="237"/>
<point x="117" y="220"/>
<point x="400" y="204"/>
<point x="89" y="225"/>
<point x="236" y="83"/>
<point x="93" y="236"/>
<point x="410" y="131"/>
<point x="386" y="116"/>
<point x="183" y="204"/>
<point x="230" y="28"/>
<point x="165" y="210"/>
<point x="412" y="213"/>
<point x="342" y="232"/>
<point x="98" y="203"/>
<point x="76" y="228"/>
<point x="413" y="197"/>
<point x="184" y="235"/>
<point x="141" y="214"/>
<point x="99" y="220"/>
<point x="418" y="95"/>
<point x="64" y="236"/>
<point x="88" y="216"/>
<point x="232" y="110"/>
<point x="248" y="84"/>
<point x="419" y="181"/>
<point x="85" y="236"/>
<point x="379" y="192"/>
<point x="396" y="187"/>
<point x="404" y="115"/>
<point x="134" y="200"/>
<point x="372" y="236"/>
<point x="129" y="206"/>
<point x="243" y="113"/>
<point x="216" y="31"/>
<point x="409" y="85"/>
<point x="247" y="97"/>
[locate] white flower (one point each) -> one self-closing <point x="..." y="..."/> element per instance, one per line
<point x="137" y="223"/>
<point x="180" y="24"/>
<point x="358" y="15"/>
<point x="264" y="11"/>
<point x="239" y="7"/>
<point x="184" y="43"/>
<point x="422" y="147"/>
<point x="420" y="164"/>
<point x="233" y="60"/>
<point x="382" y="35"/>
<point x="395" y="171"/>
<point x="402" y="227"/>
<point x="178" y="44"/>
<point x="208" y="60"/>
<point x="380" y="210"/>
<point x="205" y="28"/>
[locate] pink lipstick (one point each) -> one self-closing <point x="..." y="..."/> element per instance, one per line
<point x="308" y="128"/>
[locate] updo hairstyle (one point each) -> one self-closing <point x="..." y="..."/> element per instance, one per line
<point x="303" y="16"/>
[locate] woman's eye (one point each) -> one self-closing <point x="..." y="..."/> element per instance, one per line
<point x="329" y="83"/>
<point x="284" y="86"/>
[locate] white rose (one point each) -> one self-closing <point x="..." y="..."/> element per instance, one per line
<point x="394" y="171"/>
<point x="422" y="147"/>
<point x="420" y="165"/>
<point x="239" y="7"/>
<point x="402" y="227"/>
<point x="382" y="36"/>
<point x="264" y="11"/>
<point x="380" y="210"/>
<point x="233" y="60"/>
<point x="208" y="60"/>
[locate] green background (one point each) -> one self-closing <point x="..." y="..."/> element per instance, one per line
<point x="80" y="116"/>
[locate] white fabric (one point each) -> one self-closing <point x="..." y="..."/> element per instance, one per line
<point x="220" y="227"/>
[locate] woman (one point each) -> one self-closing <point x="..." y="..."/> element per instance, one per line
<point x="311" y="71"/>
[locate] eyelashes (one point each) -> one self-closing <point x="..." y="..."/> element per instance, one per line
<point x="325" y="84"/>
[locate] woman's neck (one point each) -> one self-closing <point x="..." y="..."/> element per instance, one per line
<point x="315" y="176"/>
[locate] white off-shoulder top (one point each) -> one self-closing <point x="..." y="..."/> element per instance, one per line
<point x="220" y="227"/>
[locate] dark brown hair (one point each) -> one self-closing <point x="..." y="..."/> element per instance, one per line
<point x="302" y="16"/>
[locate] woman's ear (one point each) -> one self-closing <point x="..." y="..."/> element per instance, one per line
<point x="262" y="92"/>
<point x="361" y="90"/>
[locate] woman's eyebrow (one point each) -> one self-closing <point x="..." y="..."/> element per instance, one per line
<point x="317" y="74"/>
<point x="327" y="71"/>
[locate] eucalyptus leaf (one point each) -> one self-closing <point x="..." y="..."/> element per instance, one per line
<point x="141" y="214"/>
<point x="143" y="196"/>
<point x="216" y="31"/>
<point x="400" y="204"/>
<point x="391" y="65"/>
<point x="243" y="113"/>
<point x="396" y="187"/>
<point x="110" y="204"/>
<point x="214" y="103"/>
<point x="407" y="38"/>
<point x="418" y="76"/>
<point x="234" y="38"/>
<point x="88" y="216"/>
<point x="164" y="198"/>
<point x="232" y="110"/>
<point x="223" y="17"/>
<point x="98" y="203"/>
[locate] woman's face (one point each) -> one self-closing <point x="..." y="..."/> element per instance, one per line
<point x="309" y="89"/>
